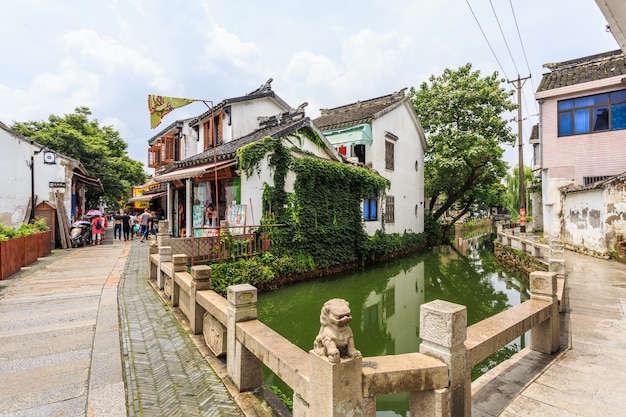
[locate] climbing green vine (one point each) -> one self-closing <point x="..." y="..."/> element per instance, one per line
<point x="323" y="214"/>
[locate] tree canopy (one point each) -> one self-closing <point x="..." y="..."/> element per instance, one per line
<point x="511" y="197"/>
<point x="100" y="149"/>
<point x="462" y="115"/>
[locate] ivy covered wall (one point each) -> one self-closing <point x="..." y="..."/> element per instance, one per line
<point x="322" y="213"/>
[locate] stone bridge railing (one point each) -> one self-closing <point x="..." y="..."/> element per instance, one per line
<point x="438" y="378"/>
<point x="551" y="254"/>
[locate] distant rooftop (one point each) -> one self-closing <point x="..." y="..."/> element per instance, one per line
<point x="582" y="70"/>
<point x="356" y="113"/>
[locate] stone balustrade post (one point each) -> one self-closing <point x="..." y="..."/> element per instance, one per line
<point x="153" y="249"/>
<point x="165" y="255"/>
<point x="545" y="337"/>
<point x="443" y="330"/>
<point x="163" y="236"/>
<point x="336" y="389"/>
<point x="200" y="281"/>
<point x="179" y="262"/>
<point x="243" y="368"/>
<point x="536" y="249"/>
<point x="556" y="257"/>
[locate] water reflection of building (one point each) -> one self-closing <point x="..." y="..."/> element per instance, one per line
<point x="394" y="312"/>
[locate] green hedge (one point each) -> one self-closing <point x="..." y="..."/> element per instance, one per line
<point x="25" y="229"/>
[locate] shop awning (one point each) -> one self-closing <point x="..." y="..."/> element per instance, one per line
<point x="88" y="179"/>
<point x="146" y="197"/>
<point x="191" y="172"/>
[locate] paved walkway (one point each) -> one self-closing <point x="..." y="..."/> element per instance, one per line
<point x="64" y="353"/>
<point x="588" y="378"/>
<point x="167" y="374"/>
<point x="60" y="342"/>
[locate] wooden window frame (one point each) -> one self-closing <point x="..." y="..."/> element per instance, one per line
<point x="390" y="209"/>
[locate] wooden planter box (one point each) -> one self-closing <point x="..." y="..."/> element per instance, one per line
<point x="45" y="245"/>
<point x="31" y="249"/>
<point x="22" y="251"/>
<point x="11" y="256"/>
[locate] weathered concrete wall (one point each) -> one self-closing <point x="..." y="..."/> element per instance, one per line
<point x="615" y="200"/>
<point x="584" y="220"/>
<point x="595" y="219"/>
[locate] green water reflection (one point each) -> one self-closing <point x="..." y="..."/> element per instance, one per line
<point x="385" y="300"/>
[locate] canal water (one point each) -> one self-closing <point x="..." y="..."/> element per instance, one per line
<point x="385" y="301"/>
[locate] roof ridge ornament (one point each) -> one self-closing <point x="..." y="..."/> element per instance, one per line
<point x="281" y="118"/>
<point x="264" y="88"/>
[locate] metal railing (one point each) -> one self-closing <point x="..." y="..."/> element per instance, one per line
<point x="229" y="242"/>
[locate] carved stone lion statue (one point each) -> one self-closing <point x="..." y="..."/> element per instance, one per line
<point x="335" y="339"/>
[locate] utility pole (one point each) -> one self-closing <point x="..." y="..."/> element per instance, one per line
<point x="522" y="196"/>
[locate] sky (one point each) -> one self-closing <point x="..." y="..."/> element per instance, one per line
<point x="108" y="55"/>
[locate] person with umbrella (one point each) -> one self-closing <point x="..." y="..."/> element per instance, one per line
<point x="97" y="229"/>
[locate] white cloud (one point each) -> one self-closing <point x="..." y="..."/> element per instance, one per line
<point x="106" y="54"/>
<point x="313" y="70"/>
<point x="225" y="52"/>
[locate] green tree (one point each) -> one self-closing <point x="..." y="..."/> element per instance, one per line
<point x="100" y="149"/>
<point x="511" y="196"/>
<point x="462" y="115"/>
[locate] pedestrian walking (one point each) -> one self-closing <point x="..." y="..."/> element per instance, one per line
<point x="147" y="222"/>
<point x="97" y="230"/>
<point x="143" y="221"/>
<point x="126" y="225"/>
<point x="117" y="226"/>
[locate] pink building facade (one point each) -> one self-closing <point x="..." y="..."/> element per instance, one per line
<point x="581" y="146"/>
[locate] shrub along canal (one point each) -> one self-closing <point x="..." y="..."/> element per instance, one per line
<point x="385" y="301"/>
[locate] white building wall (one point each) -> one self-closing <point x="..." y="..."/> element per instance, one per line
<point x="15" y="181"/>
<point x="244" y="117"/>
<point x="407" y="183"/>
<point x="190" y="145"/>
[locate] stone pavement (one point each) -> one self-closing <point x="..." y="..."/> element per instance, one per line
<point x="587" y="378"/>
<point x="61" y="353"/>
<point x="167" y="375"/>
<point x="60" y="347"/>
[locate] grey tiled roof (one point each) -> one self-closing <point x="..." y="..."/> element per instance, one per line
<point x="176" y="124"/>
<point x="582" y="70"/>
<point x="356" y="113"/>
<point x="594" y="186"/>
<point x="264" y="90"/>
<point x="227" y="150"/>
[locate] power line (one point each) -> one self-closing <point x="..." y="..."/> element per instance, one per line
<point x="503" y="37"/>
<point x="524" y="52"/>
<point x="520" y="119"/>
<point x="486" y="40"/>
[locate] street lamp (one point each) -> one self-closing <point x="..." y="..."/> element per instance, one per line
<point x="32" y="178"/>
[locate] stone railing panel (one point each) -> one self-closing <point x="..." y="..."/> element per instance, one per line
<point x="402" y="373"/>
<point x="286" y="360"/>
<point x="490" y="335"/>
